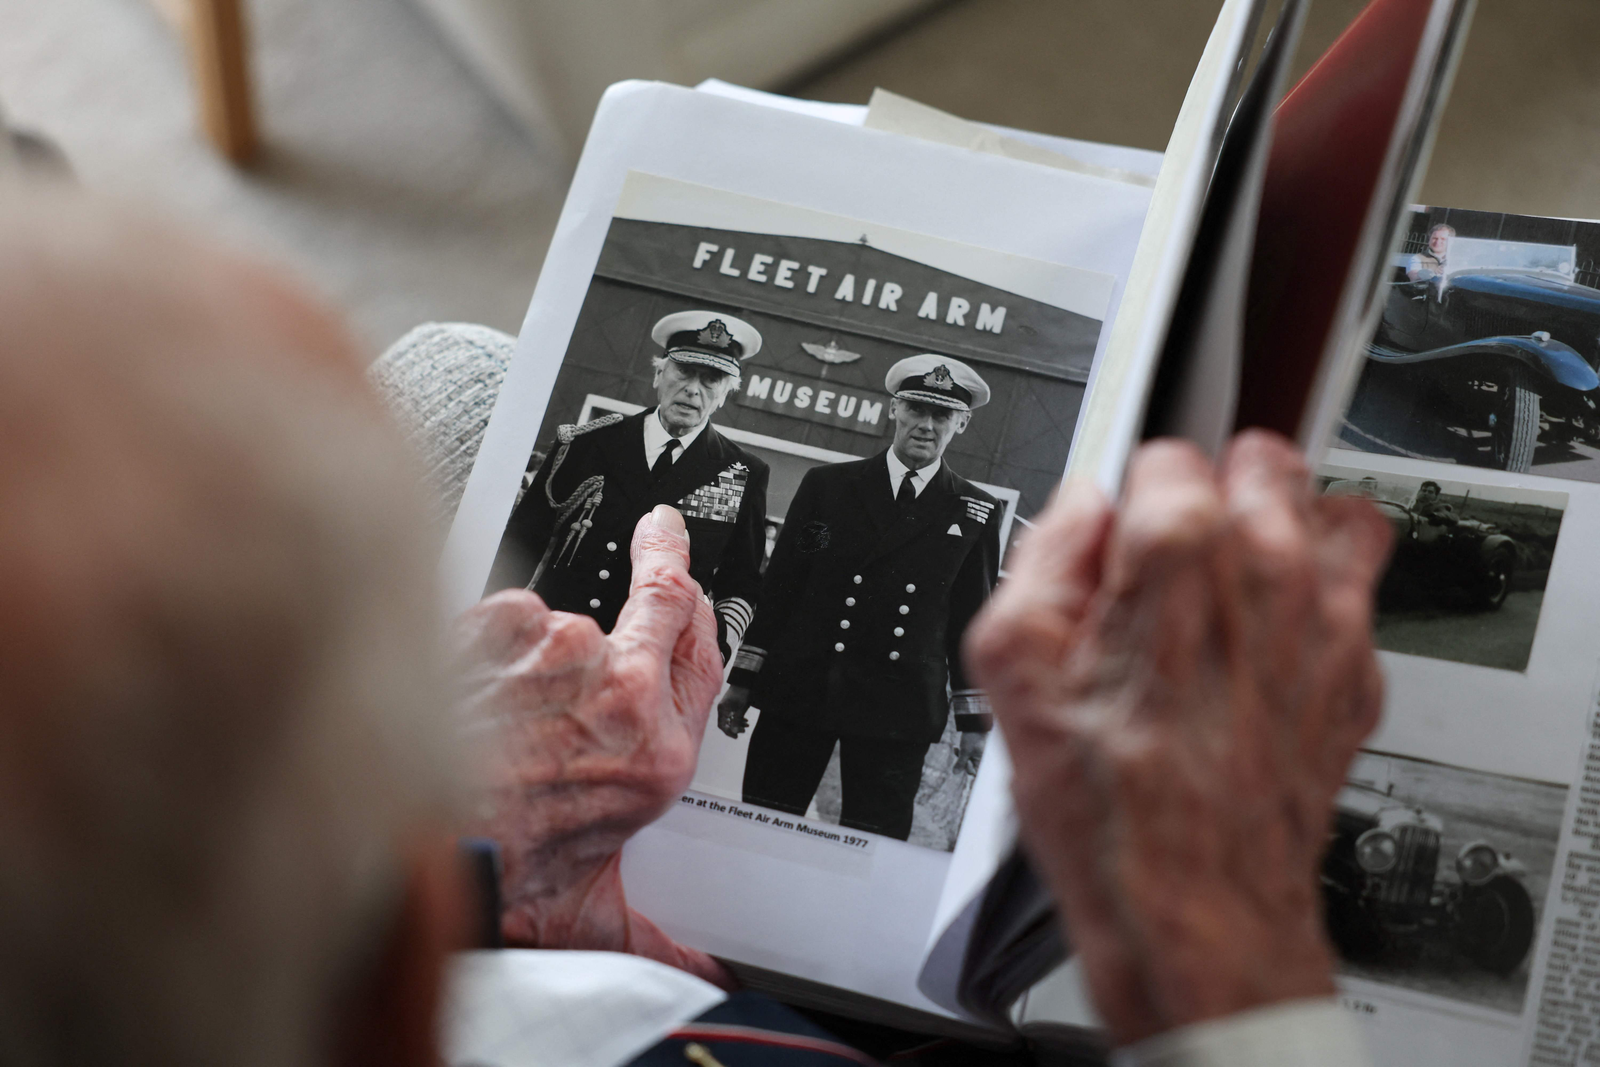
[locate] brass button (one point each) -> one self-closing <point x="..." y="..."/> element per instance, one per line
<point x="905" y="610"/>
<point x="839" y="647"/>
<point x="611" y="546"/>
<point x="911" y="589"/>
<point x="894" y="655"/>
<point x="844" y="624"/>
<point x="857" y="579"/>
<point x="604" y="575"/>
<point x="899" y="631"/>
<point x="595" y="602"/>
<point x="849" y="601"/>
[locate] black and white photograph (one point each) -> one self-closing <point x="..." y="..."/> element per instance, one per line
<point x="1437" y="875"/>
<point x="854" y="436"/>
<point x="1488" y="347"/>
<point x="1470" y="563"/>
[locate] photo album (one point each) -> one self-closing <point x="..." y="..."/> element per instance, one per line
<point x="859" y="347"/>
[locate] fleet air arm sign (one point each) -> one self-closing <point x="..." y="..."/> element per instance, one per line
<point x="856" y="288"/>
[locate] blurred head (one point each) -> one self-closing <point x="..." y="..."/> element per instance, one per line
<point x="687" y="393"/>
<point x="923" y="431"/>
<point x="1439" y="238"/>
<point x="221" y="767"/>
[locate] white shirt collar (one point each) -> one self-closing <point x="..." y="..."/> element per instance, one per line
<point x="656" y="438"/>
<point x="919" y="478"/>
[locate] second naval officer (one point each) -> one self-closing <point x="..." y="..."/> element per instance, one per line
<point x="881" y="565"/>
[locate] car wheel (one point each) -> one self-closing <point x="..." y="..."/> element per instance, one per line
<point x="1515" y="432"/>
<point x="1494" y="924"/>
<point x="1497" y="575"/>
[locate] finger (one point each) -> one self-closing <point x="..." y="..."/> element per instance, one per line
<point x="1052" y="578"/>
<point x="1270" y="502"/>
<point x="1356" y="540"/>
<point x="1159" y="602"/>
<point x="697" y="668"/>
<point x="1261" y="461"/>
<point x="498" y="627"/>
<point x="645" y="938"/>
<point x="1058" y="561"/>
<point x="1268" y="492"/>
<point x="662" y="599"/>
<point x="1354" y="547"/>
<point x="1172" y="510"/>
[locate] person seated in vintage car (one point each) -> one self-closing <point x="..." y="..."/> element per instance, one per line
<point x="1435" y="513"/>
<point x="1428" y="265"/>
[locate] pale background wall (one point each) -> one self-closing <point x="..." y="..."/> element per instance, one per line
<point x="1521" y="133"/>
<point x="395" y="184"/>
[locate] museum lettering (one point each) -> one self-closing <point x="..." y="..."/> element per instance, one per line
<point x="822" y="282"/>
<point x="813" y="400"/>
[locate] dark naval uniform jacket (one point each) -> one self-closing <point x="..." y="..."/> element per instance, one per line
<point x="861" y="616"/>
<point x="596" y="474"/>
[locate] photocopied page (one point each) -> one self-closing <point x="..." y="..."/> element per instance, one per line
<point x="1138" y="164"/>
<point x="882" y="299"/>
<point x="1464" y="876"/>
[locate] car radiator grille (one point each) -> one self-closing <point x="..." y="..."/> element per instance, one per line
<point x="1411" y="880"/>
<point x="1479" y="323"/>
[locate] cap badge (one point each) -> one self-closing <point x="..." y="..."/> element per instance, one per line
<point x="715" y="334"/>
<point x="940" y="378"/>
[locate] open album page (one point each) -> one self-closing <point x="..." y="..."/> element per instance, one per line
<point x="1463" y="880"/>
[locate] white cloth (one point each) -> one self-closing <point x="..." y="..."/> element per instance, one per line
<point x="919" y="478"/>
<point x="538" y="1008"/>
<point x="522" y="1008"/>
<point x="656" y="438"/>
<point x="1298" y="1033"/>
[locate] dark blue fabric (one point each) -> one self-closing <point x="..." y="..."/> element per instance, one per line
<point x="756" y="1012"/>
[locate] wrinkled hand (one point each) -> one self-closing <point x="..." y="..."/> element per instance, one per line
<point x="970" y="752"/>
<point x="730" y="711"/>
<point x="594" y="737"/>
<point x="1183" y="683"/>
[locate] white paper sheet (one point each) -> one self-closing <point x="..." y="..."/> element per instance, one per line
<point x="1116" y="157"/>
<point x="522" y="1008"/>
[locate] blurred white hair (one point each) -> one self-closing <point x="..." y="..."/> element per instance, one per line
<point x="219" y="716"/>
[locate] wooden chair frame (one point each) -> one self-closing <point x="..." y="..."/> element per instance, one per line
<point x="217" y="37"/>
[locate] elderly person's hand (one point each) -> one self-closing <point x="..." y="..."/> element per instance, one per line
<point x="1183" y="682"/>
<point x="595" y="736"/>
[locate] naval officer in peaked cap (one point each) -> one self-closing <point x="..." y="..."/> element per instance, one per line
<point x="881" y="565"/>
<point x="568" y="537"/>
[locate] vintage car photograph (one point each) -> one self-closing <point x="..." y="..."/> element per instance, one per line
<point x="1488" y="347"/>
<point x="1469" y="567"/>
<point x="1435" y="877"/>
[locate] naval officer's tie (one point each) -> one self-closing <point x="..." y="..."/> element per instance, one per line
<point x="663" y="461"/>
<point x="907" y="494"/>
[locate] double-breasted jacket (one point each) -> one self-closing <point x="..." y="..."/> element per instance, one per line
<point x="859" y="625"/>
<point x="574" y="524"/>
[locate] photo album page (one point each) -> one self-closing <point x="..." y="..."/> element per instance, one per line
<point x="1464" y="873"/>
